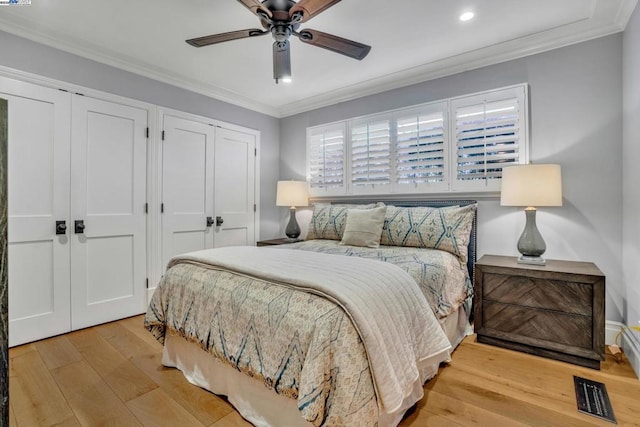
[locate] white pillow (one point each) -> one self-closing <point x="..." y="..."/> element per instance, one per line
<point x="364" y="227"/>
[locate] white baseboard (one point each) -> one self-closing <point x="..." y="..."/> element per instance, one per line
<point x="612" y="332"/>
<point x="631" y="347"/>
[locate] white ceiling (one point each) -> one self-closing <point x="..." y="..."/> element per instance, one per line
<point x="412" y="41"/>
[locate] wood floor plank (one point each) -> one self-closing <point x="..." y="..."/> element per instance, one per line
<point x="232" y="420"/>
<point x="57" y="352"/>
<point x="135" y="325"/>
<point x="205" y="406"/>
<point x="129" y="344"/>
<point x="125" y="379"/>
<point x="20" y="350"/>
<point x="12" y="416"/>
<point x="157" y="409"/>
<point x="34" y="395"/>
<point x="455" y="410"/>
<point x="425" y="418"/>
<point x="91" y="399"/>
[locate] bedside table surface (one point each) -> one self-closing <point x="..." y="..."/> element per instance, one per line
<point x="570" y="267"/>
<point x="280" y="241"/>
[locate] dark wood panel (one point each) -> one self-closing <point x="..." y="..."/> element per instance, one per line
<point x="569" y="297"/>
<point x="569" y="329"/>
<point x="589" y="362"/>
<point x="4" y="284"/>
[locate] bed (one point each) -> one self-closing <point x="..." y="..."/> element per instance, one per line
<point x="318" y="332"/>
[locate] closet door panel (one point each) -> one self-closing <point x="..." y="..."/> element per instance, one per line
<point x="235" y="187"/>
<point x="187" y="186"/>
<point x="38" y="196"/>
<point x="108" y="193"/>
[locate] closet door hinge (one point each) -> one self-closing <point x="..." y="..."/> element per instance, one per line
<point x="146" y="208"/>
<point x="254" y="207"/>
<point x="163" y="135"/>
<point x="147" y="282"/>
<point x="255" y="152"/>
<point x="161" y="207"/>
<point x="147" y="132"/>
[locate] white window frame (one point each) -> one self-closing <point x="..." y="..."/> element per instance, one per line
<point x="448" y="109"/>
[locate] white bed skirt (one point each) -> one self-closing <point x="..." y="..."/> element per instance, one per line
<point x="259" y="405"/>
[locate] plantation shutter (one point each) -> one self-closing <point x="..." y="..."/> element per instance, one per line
<point x="370" y="156"/>
<point x="420" y="149"/>
<point x="490" y="133"/>
<point x="325" y="159"/>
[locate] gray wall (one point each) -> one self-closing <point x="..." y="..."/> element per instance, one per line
<point x="576" y="121"/>
<point x="25" y="55"/>
<point x="631" y="168"/>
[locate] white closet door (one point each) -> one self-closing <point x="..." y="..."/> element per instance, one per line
<point x="108" y="193"/>
<point x="187" y="186"/>
<point x="235" y="187"/>
<point x="38" y="197"/>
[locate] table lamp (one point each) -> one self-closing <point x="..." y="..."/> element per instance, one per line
<point x="531" y="186"/>
<point x="292" y="194"/>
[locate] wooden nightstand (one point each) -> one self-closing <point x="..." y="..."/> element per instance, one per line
<point x="273" y="242"/>
<point x="554" y="311"/>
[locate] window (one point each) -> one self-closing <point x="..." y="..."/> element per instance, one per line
<point x="370" y="160"/>
<point x="420" y="149"/>
<point x="326" y="159"/>
<point x="455" y="145"/>
<point x="489" y="132"/>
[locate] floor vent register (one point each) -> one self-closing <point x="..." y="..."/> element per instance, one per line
<point x="593" y="399"/>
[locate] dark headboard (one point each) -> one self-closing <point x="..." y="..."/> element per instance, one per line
<point x="471" y="255"/>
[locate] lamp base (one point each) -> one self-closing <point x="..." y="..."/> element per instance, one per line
<point x="534" y="260"/>
<point x="293" y="229"/>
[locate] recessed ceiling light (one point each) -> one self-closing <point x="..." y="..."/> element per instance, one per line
<point x="467" y="16"/>
<point x="287" y="80"/>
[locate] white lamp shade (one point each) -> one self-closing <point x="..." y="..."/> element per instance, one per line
<point x="531" y="185"/>
<point x="292" y="193"/>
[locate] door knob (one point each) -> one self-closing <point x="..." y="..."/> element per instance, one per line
<point x="209" y="221"/>
<point x="219" y="221"/>
<point x="61" y="227"/>
<point x="79" y="226"/>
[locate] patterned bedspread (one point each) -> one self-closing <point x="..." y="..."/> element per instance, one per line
<point x="255" y="326"/>
<point x="443" y="279"/>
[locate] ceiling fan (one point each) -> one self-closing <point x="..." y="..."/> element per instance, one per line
<point x="281" y="19"/>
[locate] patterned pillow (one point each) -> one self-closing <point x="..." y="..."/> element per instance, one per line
<point x="364" y="227"/>
<point x="447" y="228"/>
<point x="328" y="221"/>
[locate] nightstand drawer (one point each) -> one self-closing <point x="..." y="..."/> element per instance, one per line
<point x="525" y="323"/>
<point x="569" y="297"/>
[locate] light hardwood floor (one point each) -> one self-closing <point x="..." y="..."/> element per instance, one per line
<point x="111" y="375"/>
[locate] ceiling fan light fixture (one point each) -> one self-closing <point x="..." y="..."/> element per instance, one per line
<point x="281" y="62"/>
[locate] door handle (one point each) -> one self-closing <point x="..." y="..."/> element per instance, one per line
<point x="219" y="221"/>
<point x="79" y="226"/>
<point x="209" y="221"/>
<point x="61" y="227"/>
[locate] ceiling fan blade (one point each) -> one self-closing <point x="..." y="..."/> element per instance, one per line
<point x="334" y="43"/>
<point x="256" y="7"/>
<point x="225" y="37"/>
<point x="310" y="8"/>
